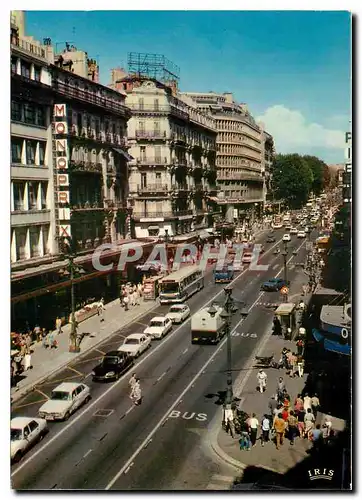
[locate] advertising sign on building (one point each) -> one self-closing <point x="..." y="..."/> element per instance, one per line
<point x="60" y="152"/>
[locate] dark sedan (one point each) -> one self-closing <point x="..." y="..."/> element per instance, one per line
<point x="271" y="238"/>
<point x="112" y="366"/>
<point x="274" y="284"/>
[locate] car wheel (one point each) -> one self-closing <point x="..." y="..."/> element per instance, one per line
<point x="87" y="399"/>
<point x="18" y="456"/>
<point x="66" y="416"/>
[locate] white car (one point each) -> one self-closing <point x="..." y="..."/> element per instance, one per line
<point x="277" y="226"/>
<point x="64" y="400"/>
<point x="247" y="256"/>
<point x="178" y="313"/>
<point x="293" y="230"/>
<point x="159" y="326"/>
<point x="287" y="237"/>
<point x="301" y="234"/>
<point x="135" y="344"/>
<point x="25" y="431"/>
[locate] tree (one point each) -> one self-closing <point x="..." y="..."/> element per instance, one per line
<point x="318" y="168"/>
<point x="292" y="179"/>
<point x="326" y="177"/>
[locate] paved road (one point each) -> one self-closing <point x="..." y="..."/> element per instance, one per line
<point x="154" y="445"/>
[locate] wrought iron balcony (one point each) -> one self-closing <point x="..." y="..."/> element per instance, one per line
<point x="158" y="160"/>
<point x="87" y="205"/>
<point x="150" y="134"/>
<point x="112" y="105"/>
<point x="181" y="187"/>
<point x="115" y="204"/>
<point x="179" y="162"/>
<point x="97" y="135"/>
<point x="200" y="187"/>
<point x="86" y="166"/>
<point x="163" y="214"/>
<point x="152" y="188"/>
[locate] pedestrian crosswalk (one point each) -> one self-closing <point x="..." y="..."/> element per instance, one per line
<point x="219" y="482"/>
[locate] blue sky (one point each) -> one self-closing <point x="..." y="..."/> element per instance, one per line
<point x="291" y="68"/>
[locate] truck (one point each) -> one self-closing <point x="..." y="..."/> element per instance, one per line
<point x="224" y="275"/>
<point x="207" y="326"/>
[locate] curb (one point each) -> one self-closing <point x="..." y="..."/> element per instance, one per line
<point x="25" y="390"/>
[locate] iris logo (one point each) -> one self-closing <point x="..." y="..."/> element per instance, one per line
<point x="320" y="474"/>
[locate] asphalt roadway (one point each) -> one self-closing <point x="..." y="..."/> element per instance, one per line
<point x="112" y="444"/>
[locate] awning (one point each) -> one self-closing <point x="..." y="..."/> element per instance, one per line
<point x="213" y="198"/>
<point x="330" y="345"/>
<point x="124" y="154"/>
<point x="285" y="309"/>
<point x="153" y="228"/>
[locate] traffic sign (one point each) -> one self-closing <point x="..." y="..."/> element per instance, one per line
<point x="284" y="290"/>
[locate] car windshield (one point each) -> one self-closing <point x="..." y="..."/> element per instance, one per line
<point x="132" y="341"/>
<point x="171" y="287"/>
<point x="16" y="434"/>
<point x="110" y="360"/>
<point x="175" y="309"/>
<point x="60" y="396"/>
<point x="156" y="323"/>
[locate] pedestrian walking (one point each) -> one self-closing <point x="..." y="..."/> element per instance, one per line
<point x="265" y="430"/>
<point x="281" y="389"/>
<point x="262" y="378"/>
<point x="292" y="427"/>
<point x="279" y="427"/>
<point x="315" y="404"/>
<point x="27" y="359"/>
<point x="300" y="347"/>
<point x="244" y="441"/>
<point x="316" y="437"/>
<point x="326" y="430"/>
<point x="132" y="381"/>
<point x="273" y="403"/>
<point x="307" y="402"/>
<point x="101" y="309"/>
<point x="253" y="426"/>
<point x="126" y="302"/>
<point x="44" y="338"/>
<point x="298" y="403"/>
<point x="308" y="422"/>
<point x="137" y="393"/>
<point x="58" y="325"/>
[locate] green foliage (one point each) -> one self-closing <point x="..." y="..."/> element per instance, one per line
<point x="292" y="179"/>
<point x="317" y="168"/>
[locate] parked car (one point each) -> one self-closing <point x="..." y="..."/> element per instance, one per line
<point x="273" y="284"/>
<point x="286" y="237"/>
<point x="246" y="259"/>
<point x="113" y="364"/>
<point x="159" y="326"/>
<point x="307" y="229"/>
<point x="178" y="313"/>
<point x="24" y="433"/>
<point x="135" y="344"/>
<point x="64" y="400"/>
<point x="301" y="234"/>
<point x="294" y="230"/>
<point x="270" y="239"/>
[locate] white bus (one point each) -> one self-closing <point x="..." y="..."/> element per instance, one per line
<point x="178" y="286"/>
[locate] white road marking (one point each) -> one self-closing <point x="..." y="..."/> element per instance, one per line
<point x="129" y="410"/>
<point x="88" y="452"/>
<point x="112" y="387"/>
<point x="128" y="468"/>
<point x="171" y="408"/>
<point x="161" y="376"/>
<point x="275" y="266"/>
<point x="185" y="351"/>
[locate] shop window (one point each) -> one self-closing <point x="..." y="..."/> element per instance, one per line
<point x="19" y="193"/>
<point x="16" y="149"/>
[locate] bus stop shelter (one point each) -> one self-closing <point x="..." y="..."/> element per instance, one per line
<point x="286" y="315"/>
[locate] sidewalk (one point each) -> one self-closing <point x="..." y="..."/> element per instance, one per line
<point x="245" y="387"/>
<point x="47" y="362"/>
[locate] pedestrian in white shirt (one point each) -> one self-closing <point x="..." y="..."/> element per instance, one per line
<point x="253" y="425"/>
<point x="265" y="429"/>
<point x="132" y="381"/>
<point x="307" y="402"/>
<point x="262" y="378"/>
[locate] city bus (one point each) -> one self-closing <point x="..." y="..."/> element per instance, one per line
<point x="277" y="222"/>
<point x="180" y="285"/>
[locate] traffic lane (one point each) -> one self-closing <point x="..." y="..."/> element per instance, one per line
<point x="81" y="370"/>
<point x="108" y="405"/>
<point x="186" y="426"/>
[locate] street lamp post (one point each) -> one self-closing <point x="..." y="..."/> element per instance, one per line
<point x="285" y="254"/>
<point x="226" y="314"/>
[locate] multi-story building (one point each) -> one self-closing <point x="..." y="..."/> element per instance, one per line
<point x="240" y="156"/>
<point x="172" y="179"/>
<point x="268" y="157"/>
<point x="32" y="203"/>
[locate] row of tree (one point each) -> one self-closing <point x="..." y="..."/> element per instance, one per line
<point x="295" y="177"/>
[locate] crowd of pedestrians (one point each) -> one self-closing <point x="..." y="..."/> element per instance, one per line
<point x="131" y="295"/>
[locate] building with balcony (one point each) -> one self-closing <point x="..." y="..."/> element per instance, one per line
<point x="93" y="122"/>
<point x="33" y="225"/>
<point x="172" y="179"/>
<point x="240" y="153"/>
<point x="268" y="150"/>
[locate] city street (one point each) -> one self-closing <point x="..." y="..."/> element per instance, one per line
<point x="111" y="444"/>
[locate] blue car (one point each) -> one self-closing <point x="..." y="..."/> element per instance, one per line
<point x="225" y="275"/>
<point x="274" y="284"/>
